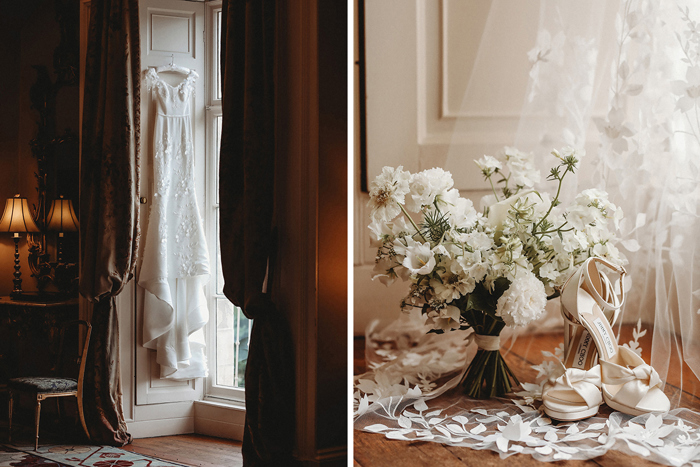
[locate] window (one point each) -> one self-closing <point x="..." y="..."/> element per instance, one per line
<point x="229" y="329"/>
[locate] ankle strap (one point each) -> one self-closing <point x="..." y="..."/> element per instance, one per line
<point x="604" y="302"/>
<point x="569" y="291"/>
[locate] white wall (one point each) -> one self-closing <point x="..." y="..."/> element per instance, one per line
<point x="420" y="80"/>
<point x="419" y="59"/>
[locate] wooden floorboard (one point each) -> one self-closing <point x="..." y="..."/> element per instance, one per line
<point x="192" y="450"/>
<point x="373" y="449"/>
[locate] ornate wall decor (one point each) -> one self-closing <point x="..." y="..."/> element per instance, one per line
<point x="49" y="146"/>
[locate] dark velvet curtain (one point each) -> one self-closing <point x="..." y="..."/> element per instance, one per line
<point x="246" y="191"/>
<point x="109" y="202"/>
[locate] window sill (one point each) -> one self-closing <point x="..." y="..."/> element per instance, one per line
<point x="222" y="402"/>
<point x="219" y="417"/>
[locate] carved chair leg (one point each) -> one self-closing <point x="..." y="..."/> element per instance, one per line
<point x="38" y="413"/>
<point x="79" y="401"/>
<point x="9" y="428"/>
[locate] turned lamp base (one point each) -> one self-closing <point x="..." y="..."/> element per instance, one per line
<point x="17" y="291"/>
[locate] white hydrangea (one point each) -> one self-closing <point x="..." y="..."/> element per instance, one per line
<point x="387" y="191"/>
<point x="523" y="302"/>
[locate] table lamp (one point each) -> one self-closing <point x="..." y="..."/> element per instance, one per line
<point x="17" y="218"/>
<point x="62" y="219"/>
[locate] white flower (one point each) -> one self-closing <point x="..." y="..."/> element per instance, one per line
<point x="419" y="258"/>
<point x="459" y="211"/>
<point x="384" y="271"/>
<point x="452" y="286"/>
<point x="522" y="167"/>
<point x="478" y="240"/>
<point x="592" y="207"/>
<point x="499" y="211"/>
<point x="399" y="227"/>
<point x="523" y="302"/>
<point x="488" y="165"/>
<point x="425" y="186"/>
<point x="567" y="152"/>
<point x="387" y="191"/>
<point x="446" y="319"/>
<point x="550" y="271"/>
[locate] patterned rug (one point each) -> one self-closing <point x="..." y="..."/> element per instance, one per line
<point x="67" y="455"/>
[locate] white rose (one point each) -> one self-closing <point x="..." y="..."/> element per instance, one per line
<point x="426" y="185"/>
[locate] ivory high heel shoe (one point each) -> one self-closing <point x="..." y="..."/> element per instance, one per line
<point x="576" y="394"/>
<point x="629" y="385"/>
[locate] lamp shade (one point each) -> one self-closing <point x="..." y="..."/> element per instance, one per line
<point x="62" y="217"/>
<point x="17" y="216"/>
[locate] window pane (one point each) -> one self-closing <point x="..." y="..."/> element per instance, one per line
<point x="225" y="337"/>
<point x="219" y="121"/>
<point x="219" y="271"/>
<point x="218" y="55"/>
<point x="232" y="339"/>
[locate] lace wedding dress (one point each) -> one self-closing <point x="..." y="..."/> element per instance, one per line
<point x="175" y="266"/>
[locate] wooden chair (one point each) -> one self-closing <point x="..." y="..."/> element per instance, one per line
<point x="57" y="385"/>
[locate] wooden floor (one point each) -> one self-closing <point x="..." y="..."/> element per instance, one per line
<point x="194" y="450"/>
<point x="371" y="449"/>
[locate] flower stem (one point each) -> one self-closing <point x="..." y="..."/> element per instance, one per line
<point x="412" y="222"/>
<point x="493" y="188"/>
<point x="554" y="201"/>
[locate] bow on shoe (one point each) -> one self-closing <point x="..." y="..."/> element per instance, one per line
<point x="636" y="382"/>
<point x="586" y="383"/>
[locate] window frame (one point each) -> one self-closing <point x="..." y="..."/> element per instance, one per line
<point x="213" y="391"/>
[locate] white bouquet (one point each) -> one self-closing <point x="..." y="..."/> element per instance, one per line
<point x="488" y="269"/>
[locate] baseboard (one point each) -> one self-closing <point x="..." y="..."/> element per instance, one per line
<point x="163" y="427"/>
<point x="330" y="457"/>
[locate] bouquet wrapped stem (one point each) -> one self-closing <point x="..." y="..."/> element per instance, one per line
<point x="488" y="375"/>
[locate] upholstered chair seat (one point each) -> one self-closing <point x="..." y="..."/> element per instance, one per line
<point x="43" y="384"/>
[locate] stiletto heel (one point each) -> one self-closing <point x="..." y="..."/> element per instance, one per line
<point x="628" y="384"/>
<point x="576" y="393"/>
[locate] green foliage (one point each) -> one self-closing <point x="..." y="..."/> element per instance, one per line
<point x="435" y="225"/>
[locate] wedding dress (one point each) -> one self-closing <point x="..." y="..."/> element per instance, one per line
<point x="175" y="266"/>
